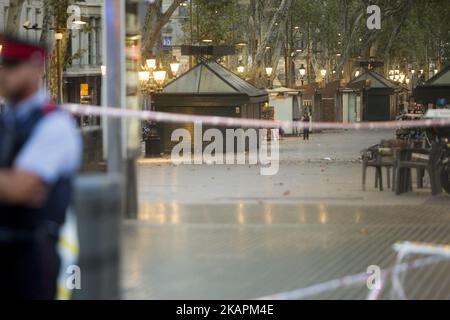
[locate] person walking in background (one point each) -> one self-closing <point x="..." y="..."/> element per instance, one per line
<point x="40" y="151"/>
<point x="296" y="128"/>
<point x="306" y="119"/>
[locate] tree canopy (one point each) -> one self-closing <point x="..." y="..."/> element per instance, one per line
<point x="333" y="34"/>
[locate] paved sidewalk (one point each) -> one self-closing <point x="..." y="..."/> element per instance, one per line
<point x="226" y="232"/>
<point x="249" y="251"/>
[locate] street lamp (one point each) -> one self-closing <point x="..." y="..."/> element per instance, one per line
<point x="175" y="67"/>
<point x="302" y="73"/>
<point x="323" y="73"/>
<point x="79" y="22"/>
<point x="160" y="77"/>
<point x="396" y="77"/>
<point x="58" y="37"/>
<point x="144" y="77"/>
<point x="302" y="70"/>
<point x="151" y="63"/>
<point x="357" y="73"/>
<point x="269" y="72"/>
<point x="241" y="69"/>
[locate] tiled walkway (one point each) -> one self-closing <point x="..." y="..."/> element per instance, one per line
<point x="249" y="251"/>
<point x="226" y="233"/>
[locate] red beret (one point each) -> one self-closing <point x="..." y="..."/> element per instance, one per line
<point x="18" y="50"/>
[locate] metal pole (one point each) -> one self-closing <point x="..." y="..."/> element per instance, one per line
<point x="96" y="201"/>
<point x="197" y="9"/>
<point x="191" y="18"/>
<point x="114" y="46"/>
<point x="58" y="62"/>
<point x="286" y="56"/>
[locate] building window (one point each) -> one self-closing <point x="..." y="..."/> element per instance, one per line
<point x="94" y="42"/>
<point x="98" y="40"/>
<point x="87" y="44"/>
<point x="90" y="49"/>
<point x="33" y="14"/>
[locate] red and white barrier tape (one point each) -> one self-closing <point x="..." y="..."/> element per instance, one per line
<point x="245" y="123"/>
<point x="352" y="280"/>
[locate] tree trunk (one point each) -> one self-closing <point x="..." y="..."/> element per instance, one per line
<point x="155" y="20"/>
<point x="13" y="19"/>
<point x="277" y="23"/>
<point x="350" y="33"/>
<point x="55" y="17"/>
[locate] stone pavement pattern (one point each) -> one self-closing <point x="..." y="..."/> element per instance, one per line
<point x="218" y="232"/>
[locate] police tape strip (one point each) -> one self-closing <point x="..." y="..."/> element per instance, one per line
<point x="245" y="123"/>
<point x="304" y="293"/>
<point x="352" y="280"/>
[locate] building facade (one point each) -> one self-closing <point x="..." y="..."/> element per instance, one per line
<point x="84" y="55"/>
<point x="173" y="34"/>
<point x="83" y="72"/>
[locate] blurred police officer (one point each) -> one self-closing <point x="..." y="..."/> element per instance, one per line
<point x="40" y="150"/>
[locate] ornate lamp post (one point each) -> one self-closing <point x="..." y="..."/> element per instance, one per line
<point x="175" y="67"/>
<point x="160" y="76"/>
<point x="151" y="63"/>
<point x="58" y="37"/>
<point x="323" y="73"/>
<point x="144" y="78"/>
<point x="269" y="72"/>
<point x="302" y="73"/>
<point x="148" y="77"/>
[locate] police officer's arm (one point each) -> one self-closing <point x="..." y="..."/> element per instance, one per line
<point x="22" y="188"/>
<point x="51" y="153"/>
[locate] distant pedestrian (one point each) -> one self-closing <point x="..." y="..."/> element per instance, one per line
<point x="296" y="128"/>
<point x="306" y="121"/>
